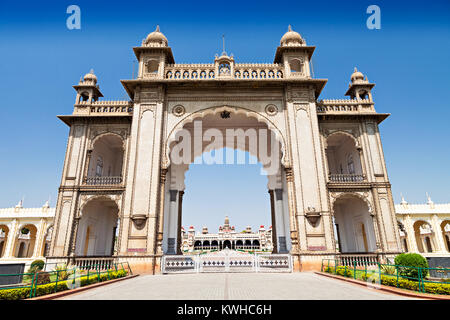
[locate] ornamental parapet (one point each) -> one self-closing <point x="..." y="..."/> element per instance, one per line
<point x="339" y="106"/>
<point x="100" y="108"/>
<point x="209" y="71"/>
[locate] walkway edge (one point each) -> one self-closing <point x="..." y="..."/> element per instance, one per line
<point x="401" y="292"/>
<point x="80" y="289"/>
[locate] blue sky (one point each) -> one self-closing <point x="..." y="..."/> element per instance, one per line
<point x="40" y="60"/>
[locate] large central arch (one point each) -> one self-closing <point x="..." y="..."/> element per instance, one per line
<point x="222" y="119"/>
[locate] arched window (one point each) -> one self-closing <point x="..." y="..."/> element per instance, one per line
<point x="296" y="66"/>
<point x="152" y="66"/>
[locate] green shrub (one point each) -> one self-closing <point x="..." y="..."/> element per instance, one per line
<point x="342" y="271"/>
<point x="62" y="272"/>
<point x="37" y="264"/>
<point x="409" y="263"/>
<point x="387" y="269"/>
<point x="42" y="277"/>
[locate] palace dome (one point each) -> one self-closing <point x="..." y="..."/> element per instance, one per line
<point x="357" y="76"/>
<point x="291" y="38"/>
<point x="90" y="76"/>
<point x="156" y="37"/>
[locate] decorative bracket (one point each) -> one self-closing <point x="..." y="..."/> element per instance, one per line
<point x="139" y="220"/>
<point x="312" y="215"/>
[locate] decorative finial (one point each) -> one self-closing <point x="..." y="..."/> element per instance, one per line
<point x="223" y="45"/>
<point x="289" y="28"/>
<point x="403" y="202"/>
<point x="92" y="71"/>
<point x="20" y="204"/>
<point x="429" y="201"/>
<point x="157" y="28"/>
<point x="356" y="70"/>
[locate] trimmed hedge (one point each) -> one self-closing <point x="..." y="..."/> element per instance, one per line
<point x="413" y="260"/>
<point x="41" y="290"/>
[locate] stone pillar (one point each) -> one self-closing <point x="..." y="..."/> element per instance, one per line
<point x="279" y="217"/>
<point x="292" y="209"/>
<point x="76" y="223"/>
<point x="274" y="223"/>
<point x="410" y="235"/>
<point x="159" y="235"/>
<point x="180" y="216"/>
<point x="10" y="242"/>
<point x="173" y="223"/>
<point x="40" y="234"/>
<point x="440" y="242"/>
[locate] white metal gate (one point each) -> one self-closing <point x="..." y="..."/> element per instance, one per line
<point x="226" y="261"/>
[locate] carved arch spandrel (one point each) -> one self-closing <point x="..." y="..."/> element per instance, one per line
<point x="171" y="137"/>
<point x="364" y="196"/>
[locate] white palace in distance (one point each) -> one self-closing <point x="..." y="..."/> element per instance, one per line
<point x="121" y="194"/>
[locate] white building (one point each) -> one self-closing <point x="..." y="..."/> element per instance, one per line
<point x="25" y="233"/>
<point x="227" y="237"/>
<point x="424" y="228"/>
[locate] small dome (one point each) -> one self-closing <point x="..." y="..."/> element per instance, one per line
<point x="90" y="76"/>
<point x="291" y="38"/>
<point x="357" y="76"/>
<point x="156" y="37"/>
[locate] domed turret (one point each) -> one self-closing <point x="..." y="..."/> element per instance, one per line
<point x="156" y="39"/>
<point x="90" y="77"/>
<point x="357" y="76"/>
<point x="291" y="38"/>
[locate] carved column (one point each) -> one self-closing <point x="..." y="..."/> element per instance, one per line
<point x="180" y="215"/>
<point x="160" y="222"/>
<point x="173" y="223"/>
<point x="88" y="163"/>
<point x="279" y="215"/>
<point x="292" y="210"/>
<point x="76" y="222"/>
<point x="439" y="238"/>
<point x="10" y="241"/>
<point x="274" y="224"/>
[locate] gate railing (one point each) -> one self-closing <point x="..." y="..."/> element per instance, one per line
<point x="226" y="263"/>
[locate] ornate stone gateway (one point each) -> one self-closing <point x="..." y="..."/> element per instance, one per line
<point x="122" y="184"/>
<point x="227" y="261"/>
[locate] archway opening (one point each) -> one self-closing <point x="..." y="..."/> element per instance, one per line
<point x="106" y="161"/>
<point x="97" y="230"/>
<point x="218" y="182"/>
<point x="445" y="229"/>
<point x="25" y="241"/>
<point x="344" y="162"/>
<point x="424" y="235"/>
<point x="4" y="231"/>
<point x="354" y="226"/>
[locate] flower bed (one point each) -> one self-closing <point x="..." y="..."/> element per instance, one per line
<point x="374" y="276"/>
<point x="40" y="290"/>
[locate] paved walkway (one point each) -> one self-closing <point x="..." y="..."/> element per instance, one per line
<point x="230" y="286"/>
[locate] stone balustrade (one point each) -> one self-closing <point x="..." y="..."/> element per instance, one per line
<point x="208" y="71"/>
<point x="94" y="263"/>
<point x="345" y="105"/>
<point x="340" y="177"/>
<point x="367" y="259"/>
<point x="103" y="181"/>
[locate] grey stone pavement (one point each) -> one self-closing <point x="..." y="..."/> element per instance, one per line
<point x="233" y="286"/>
